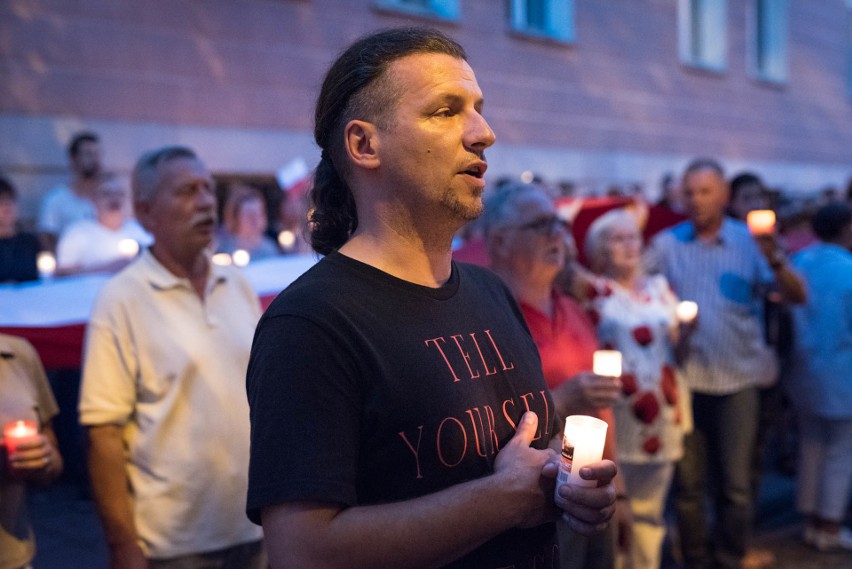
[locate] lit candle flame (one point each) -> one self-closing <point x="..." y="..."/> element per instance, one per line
<point x="761" y="221"/>
<point x="686" y="311"/>
<point x="286" y="239"/>
<point x="222" y="259"/>
<point x="46" y="263"/>
<point x="241" y="257"/>
<point x="128" y="248"/>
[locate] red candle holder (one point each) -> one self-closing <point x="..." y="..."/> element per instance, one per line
<point x="17" y="433"/>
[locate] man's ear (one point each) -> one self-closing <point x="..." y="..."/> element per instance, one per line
<point x="141" y="210"/>
<point x="361" y="139"/>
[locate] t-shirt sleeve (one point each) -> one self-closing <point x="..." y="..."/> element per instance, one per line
<point x="305" y="416"/>
<point x="108" y="389"/>
<point x="42" y="395"/>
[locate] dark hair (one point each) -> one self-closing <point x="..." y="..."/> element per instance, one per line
<point x="830" y="220"/>
<point x="744" y="179"/>
<point x="357" y="87"/>
<point x="7" y="189"/>
<point x="704" y="164"/>
<point x="145" y="177"/>
<point x="77" y="141"/>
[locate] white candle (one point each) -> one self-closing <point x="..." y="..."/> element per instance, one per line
<point x="128" y="248"/>
<point x="686" y="311"/>
<point x="582" y="444"/>
<point x="607" y="362"/>
<point x="19" y="432"/>
<point x="241" y="257"/>
<point x="46" y="263"/>
<point x="222" y="259"/>
<point x="286" y="239"/>
<point x="761" y="221"/>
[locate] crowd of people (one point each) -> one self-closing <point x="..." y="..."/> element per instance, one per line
<point x="404" y="409"/>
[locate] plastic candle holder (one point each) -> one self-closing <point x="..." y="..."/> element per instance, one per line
<point x="607" y="362"/>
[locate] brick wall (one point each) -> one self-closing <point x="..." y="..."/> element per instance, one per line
<point x="149" y="71"/>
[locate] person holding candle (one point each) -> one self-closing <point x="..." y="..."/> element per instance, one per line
<point x="162" y="397"/>
<point x="31" y="455"/>
<point x="635" y="314"/>
<point x="819" y="385"/>
<point x="529" y="246"/>
<point x="95" y="245"/>
<point x="244" y="224"/>
<point x="399" y="413"/>
<point x="18" y="249"/>
<point x="714" y="260"/>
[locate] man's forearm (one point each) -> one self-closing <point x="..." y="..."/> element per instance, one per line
<point x="108" y="474"/>
<point x="424" y="532"/>
<point x="428" y="531"/>
<point x="790" y="283"/>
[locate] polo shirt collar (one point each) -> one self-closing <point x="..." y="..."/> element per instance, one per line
<point x="161" y="278"/>
<point x="724" y="235"/>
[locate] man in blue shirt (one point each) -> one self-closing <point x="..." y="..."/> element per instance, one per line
<point x="713" y="260"/>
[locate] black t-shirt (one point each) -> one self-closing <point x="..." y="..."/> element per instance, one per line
<point x="368" y="389"/>
<point x="18" y="258"/>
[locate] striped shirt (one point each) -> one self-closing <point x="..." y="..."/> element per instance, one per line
<point x="728" y="278"/>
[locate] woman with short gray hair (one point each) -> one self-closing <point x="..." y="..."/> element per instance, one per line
<point x="635" y="314"/>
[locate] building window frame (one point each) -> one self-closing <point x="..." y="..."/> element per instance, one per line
<point x="702" y="34"/>
<point x="544" y="19"/>
<point x="435" y="9"/>
<point x="849" y="48"/>
<point x="768" y="40"/>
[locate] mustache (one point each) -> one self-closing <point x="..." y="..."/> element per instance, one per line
<point x="203" y="219"/>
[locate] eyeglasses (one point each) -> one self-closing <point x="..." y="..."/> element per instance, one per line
<point x="546" y="225"/>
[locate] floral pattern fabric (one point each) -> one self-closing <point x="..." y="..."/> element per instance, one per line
<point x="637" y="323"/>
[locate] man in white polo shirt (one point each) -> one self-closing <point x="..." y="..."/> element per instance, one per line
<point x="163" y="397"/>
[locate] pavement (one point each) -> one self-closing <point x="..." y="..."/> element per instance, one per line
<point x="69" y="536"/>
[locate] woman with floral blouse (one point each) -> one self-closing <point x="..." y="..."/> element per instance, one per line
<point x="635" y="314"/>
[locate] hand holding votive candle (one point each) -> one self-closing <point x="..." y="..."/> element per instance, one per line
<point x="582" y="444"/>
<point x="686" y="311"/>
<point x="761" y="221"/>
<point x="607" y="363"/>
<point x="17" y="433"/>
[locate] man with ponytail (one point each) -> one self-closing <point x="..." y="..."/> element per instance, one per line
<point x="399" y="414"/>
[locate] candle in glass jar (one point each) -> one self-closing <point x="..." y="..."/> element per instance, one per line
<point x="19" y="432"/>
<point x="686" y="311"/>
<point x="582" y="444"/>
<point x="761" y="221"/>
<point x="607" y="362"/>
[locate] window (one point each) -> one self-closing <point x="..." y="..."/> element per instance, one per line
<point x="544" y="18"/>
<point x="769" y="39"/>
<point x="702" y="37"/>
<point x="849" y="48"/>
<point x="444" y="9"/>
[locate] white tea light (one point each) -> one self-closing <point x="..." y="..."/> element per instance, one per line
<point x="286" y="239"/>
<point x="607" y="362"/>
<point x="686" y="311"/>
<point x="128" y="248"/>
<point x="582" y="444"/>
<point x="241" y="257"/>
<point x="46" y="263"/>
